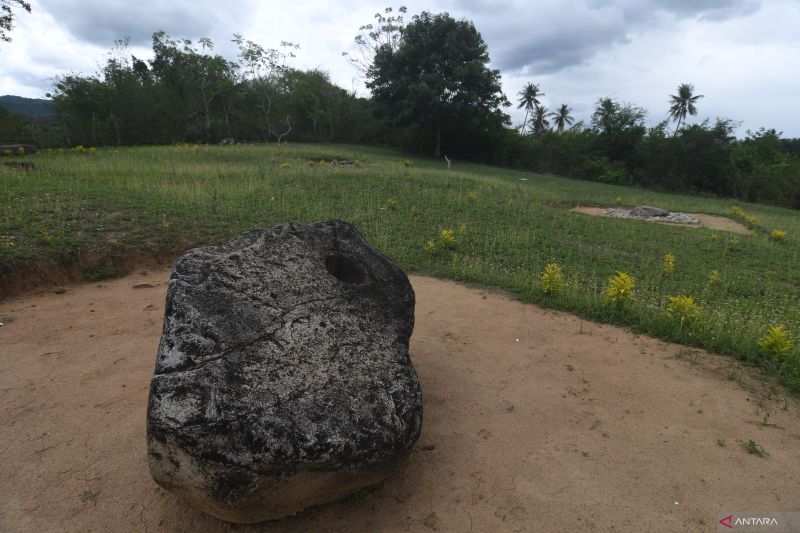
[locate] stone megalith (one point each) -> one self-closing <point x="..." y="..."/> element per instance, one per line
<point x="647" y="211"/>
<point x="283" y="378"/>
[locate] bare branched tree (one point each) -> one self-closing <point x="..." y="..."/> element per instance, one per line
<point x="387" y="31"/>
<point x="263" y="68"/>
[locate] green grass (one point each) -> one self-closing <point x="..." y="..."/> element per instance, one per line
<point x="171" y="198"/>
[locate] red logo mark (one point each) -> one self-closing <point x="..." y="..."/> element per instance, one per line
<point x="727" y="521"/>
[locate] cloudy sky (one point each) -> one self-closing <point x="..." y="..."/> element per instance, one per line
<point x="743" y="55"/>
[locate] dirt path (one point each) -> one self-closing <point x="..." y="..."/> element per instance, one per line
<point x="534" y="421"/>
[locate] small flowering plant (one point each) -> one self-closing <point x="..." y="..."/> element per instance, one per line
<point x="776" y="343"/>
<point x="552" y="279"/>
<point x="619" y="289"/>
<point x="447" y="238"/>
<point x="683" y="308"/>
<point x="778" y="235"/>
<point x="669" y="263"/>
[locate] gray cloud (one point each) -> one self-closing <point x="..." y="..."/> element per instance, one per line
<point x="552" y="36"/>
<point x="101" y="22"/>
<point x="714" y="10"/>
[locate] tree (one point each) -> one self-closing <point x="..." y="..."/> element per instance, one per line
<point x="7" y="16"/>
<point x="620" y="129"/>
<point x="529" y="98"/>
<point x="683" y="104"/>
<point x="386" y="32"/>
<point x="263" y="72"/>
<point x="562" y="117"/>
<point x="438" y="79"/>
<point x="539" y="122"/>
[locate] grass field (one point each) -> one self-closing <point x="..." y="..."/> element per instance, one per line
<point x="506" y="227"/>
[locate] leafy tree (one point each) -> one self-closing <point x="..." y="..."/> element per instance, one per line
<point x="683" y="103"/>
<point x="12" y="125"/>
<point x="620" y="129"/>
<point x="438" y="80"/>
<point x="529" y="98"/>
<point x="7" y="16"/>
<point x="562" y="117"/>
<point x="539" y="122"/>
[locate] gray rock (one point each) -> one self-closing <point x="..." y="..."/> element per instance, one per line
<point x="646" y="211"/>
<point x="672" y="218"/>
<point x="282" y="378"/>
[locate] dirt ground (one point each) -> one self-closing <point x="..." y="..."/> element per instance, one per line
<point x="534" y="421"/>
<point x="707" y="221"/>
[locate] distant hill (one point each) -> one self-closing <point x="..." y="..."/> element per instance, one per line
<point x="28" y="107"/>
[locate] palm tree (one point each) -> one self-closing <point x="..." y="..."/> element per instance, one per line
<point x="529" y="98"/>
<point x="683" y="104"/>
<point x="539" y="122"/>
<point x="562" y="117"/>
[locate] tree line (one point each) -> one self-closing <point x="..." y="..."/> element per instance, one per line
<point x="432" y="92"/>
<point x="187" y="93"/>
<point x="617" y="147"/>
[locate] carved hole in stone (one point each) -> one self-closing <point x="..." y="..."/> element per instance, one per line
<point x="344" y="269"/>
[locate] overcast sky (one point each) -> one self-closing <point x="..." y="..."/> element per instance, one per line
<point x="743" y="55"/>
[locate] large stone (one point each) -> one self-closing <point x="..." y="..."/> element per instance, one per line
<point x="646" y="211"/>
<point x="283" y="378"/>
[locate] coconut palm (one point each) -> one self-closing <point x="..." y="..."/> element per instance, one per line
<point x="683" y="104"/>
<point x="539" y="122"/>
<point x="529" y="98"/>
<point x="562" y="117"/>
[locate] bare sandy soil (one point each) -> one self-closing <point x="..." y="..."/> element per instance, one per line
<point x="707" y="221"/>
<point x="534" y="421"/>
